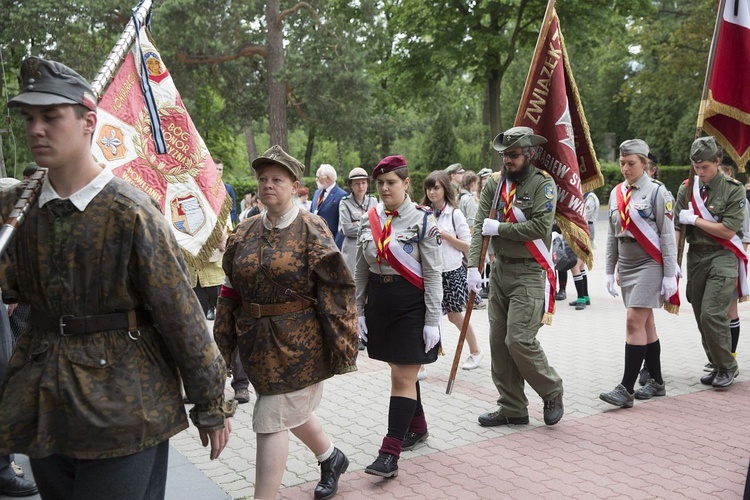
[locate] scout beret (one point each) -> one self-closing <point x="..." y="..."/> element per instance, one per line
<point x="704" y="149"/>
<point x="388" y="164"/>
<point x="49" y="83"/>
<point x="484" y="173"/>
<point x="517" y="137"/>
<point x="456" y="168"/>
<point x="634" y="147"/>
<point x="358" y="173"/>
<point x="277" y="156"/>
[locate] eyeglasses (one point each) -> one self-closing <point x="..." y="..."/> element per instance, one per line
<point x="512" y="154"/>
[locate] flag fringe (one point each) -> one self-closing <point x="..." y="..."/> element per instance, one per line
<point x="547" y="319"/>
<point x="200" y="260"/>
<point x="597" y="181"/>
<point x="571" y="232"/>
<point x="671" y="308"/>
<point x="744" y="299"/>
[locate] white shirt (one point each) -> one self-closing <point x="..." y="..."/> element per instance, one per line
<point x="454" y="222"/>
<point x="83" y="196"/>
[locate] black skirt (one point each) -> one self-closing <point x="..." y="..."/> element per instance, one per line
<point x="394" y="313"/>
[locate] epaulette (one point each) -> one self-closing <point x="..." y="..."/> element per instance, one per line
<point x="543" y="172"/>
<point x="657" y="181"/>
<point x="496" y="176"/>
<point x="733" y="181"/>
<point x="345" y="197"/>
<point x="424" y="208"/>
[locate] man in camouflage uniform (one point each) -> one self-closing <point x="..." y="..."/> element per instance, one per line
<point x="517" y="288"/>
<point x="712" y="269"/>
<point x="92" y="392"/>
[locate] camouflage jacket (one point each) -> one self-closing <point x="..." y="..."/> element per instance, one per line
<point x="288" y="352"/>
<point x="100" y="395"/>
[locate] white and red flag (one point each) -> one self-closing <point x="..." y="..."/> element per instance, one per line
<point x="141" y="114"/>
<point x="551" y="106"/>
<point x="725" y="112"/>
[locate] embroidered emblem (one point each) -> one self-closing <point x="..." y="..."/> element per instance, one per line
<point x="408" y="248"/>
<point x="669" y="206"/>
<point x="549" y="206"/>
<point x="188" y="215"/>
<point x="742" y="203"/>
<point x="111" y="142"/>
<point x="549" y="192"/>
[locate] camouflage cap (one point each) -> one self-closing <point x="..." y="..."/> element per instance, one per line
<point x="634" y="147"/>
<point x="456" y="168"/>
<point x="358" y="173"/>
<point x="49" y="83"/>
<point x="277" y="156"/>
<point x="704" y="149"/>
<point x="517" y="137"/>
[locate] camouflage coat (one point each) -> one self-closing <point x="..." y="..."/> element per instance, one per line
<point x="288" y="352"/>
<point x="100" y="395"/>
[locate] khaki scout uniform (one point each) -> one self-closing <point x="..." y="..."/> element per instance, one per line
<point x="712" y="269"/>
<point x="516" y="300"/>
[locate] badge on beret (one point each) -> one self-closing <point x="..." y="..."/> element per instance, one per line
<point x="549" y="191"/>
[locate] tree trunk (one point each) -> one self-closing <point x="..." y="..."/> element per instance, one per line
<point x="493" y="87"/>
<point x="2" y="158"/>
<point x="276" y="89"/>
<point x="252" y="150"/>
<point x="341" y="159"/>
<point x="309" y="149"/>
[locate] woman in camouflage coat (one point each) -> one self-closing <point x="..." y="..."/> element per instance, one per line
<point x="288" y="305"/>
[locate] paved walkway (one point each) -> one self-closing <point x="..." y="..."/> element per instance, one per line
<point x="693" y="443"/>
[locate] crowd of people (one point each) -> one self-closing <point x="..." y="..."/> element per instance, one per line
<point x="297" y="287"/>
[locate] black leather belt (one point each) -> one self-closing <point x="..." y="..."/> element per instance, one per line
<point x="515" y="260"/>
<point x="75" y="325"/>
<point x="627" y="239"/>
<point x="705" y="248"/>
<point x="387" y="278"/>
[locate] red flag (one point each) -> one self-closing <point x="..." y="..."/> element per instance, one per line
<point x="552" y="107"/>
<point x="726" y="110"/>
<point x="183" y="182"/>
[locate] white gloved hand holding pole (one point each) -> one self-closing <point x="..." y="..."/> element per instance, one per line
<point x="490" y="227"/>
<point x="474" y="279"/>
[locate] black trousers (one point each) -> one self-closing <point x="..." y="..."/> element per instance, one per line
<point x="140" y="476"/>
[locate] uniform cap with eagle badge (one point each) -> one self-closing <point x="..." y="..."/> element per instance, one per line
<point x="277" y="156"/>
<point x="50" y="83"/>
<point x="517" y="137"/>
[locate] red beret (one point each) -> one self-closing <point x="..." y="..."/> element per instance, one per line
<point x="388" y="164"/>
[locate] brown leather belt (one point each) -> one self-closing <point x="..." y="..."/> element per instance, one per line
<point x="627" y="239"/>
<point x="515" y="260"/>
<point x="261" y="310"/>
<point x="75" y="325"/>
<point x="705" y="248"/>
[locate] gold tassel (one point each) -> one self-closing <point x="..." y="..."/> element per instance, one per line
<point x="671" y="308"/>
<point x="745" y="298"/>
<point x="571" y="230"/>
<point x="547" y="319"/>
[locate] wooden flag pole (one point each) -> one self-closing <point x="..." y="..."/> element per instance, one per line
<point x="486" y="239"/>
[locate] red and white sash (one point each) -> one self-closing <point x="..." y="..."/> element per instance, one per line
<point x="541" y="255"/>
<point x="647" y="238"/>
<point x="406" y="265"/>
<point x="734" y="245"/>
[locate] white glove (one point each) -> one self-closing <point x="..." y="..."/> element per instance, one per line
<point x="431" y="336"/>
<point x="677" y="271"/>
<point x="668" y="286"/>
<point x="687" y="216"/>
<point x="362" y="328"/>
<point x="490" y="227"/>
<point x="611" y="285"/>
<point x="474" y="279"/>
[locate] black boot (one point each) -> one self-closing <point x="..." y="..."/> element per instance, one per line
<point x="330" y="470"/>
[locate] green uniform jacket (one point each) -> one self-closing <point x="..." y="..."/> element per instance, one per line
<point x="536" y="196"/>
<point x="726" y="202"/>
<point x="102" y="395"/>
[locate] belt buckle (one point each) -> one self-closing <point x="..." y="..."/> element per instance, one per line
<point x="387" y="278"/>
<point x="62" y="325"/>
<point x="255" y="310"/>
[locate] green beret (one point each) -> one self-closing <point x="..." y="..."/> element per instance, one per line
<point x="277" y="156"/>
<point x="634" y="147"/>
<point x="456" y="168"/>
<point x="517" y="137"/>
<point x="704" y="149"/>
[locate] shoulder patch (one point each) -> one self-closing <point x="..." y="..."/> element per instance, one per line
<point x="424" y="208"/>
<point x="549" y="191"/>
<point x="668" y="205"/>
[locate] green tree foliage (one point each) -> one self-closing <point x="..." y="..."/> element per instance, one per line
<point x="441" y="146"/>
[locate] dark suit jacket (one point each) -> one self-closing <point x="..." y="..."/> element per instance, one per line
<point x="329" y="210"/>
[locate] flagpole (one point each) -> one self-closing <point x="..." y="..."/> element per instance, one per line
<point x="120" y="50"/>
<point x="542" y="35"/>
<point x="486" y="239"/>
<point x="699" y="125"/>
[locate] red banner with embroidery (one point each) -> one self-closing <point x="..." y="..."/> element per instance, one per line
<point x="542" y="256"/>
<point x="184" y="181"/>
<point x="394" y="255"/>
<point x="647" y="238"/>
<point x="551" y="106"/>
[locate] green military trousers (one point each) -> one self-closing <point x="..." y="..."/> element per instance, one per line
<point x="516" y="306"/>
<point x="712" y="280"/>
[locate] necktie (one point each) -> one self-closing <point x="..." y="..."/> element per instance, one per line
<point x="321" y="197"/>
<point x="625" y="209"/>
<point x="704" y="192"/>
<point x="509" y="196"/>
<point x="385" y="236"/>
<point x="61" y="207"/>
